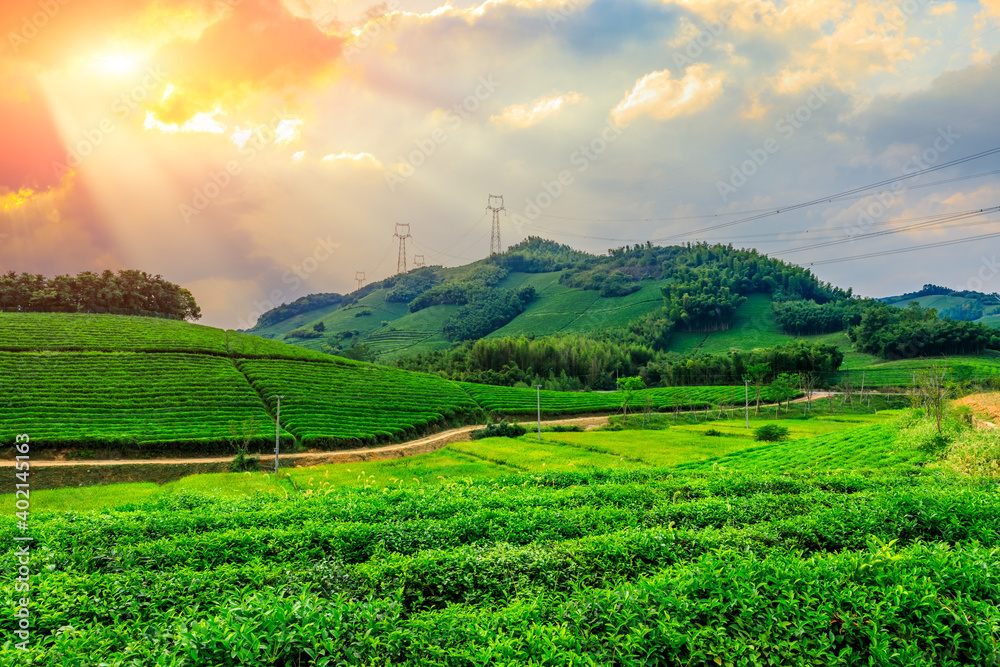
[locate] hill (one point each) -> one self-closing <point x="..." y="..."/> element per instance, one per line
<point x="965" y="305"/>
<point x="141" y="385"/>
<point x="563" y="291"/>
<point x="111" y="385"/>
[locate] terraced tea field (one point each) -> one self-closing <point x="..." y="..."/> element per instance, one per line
<point x="333" y="405"/>
<point x="165" y="403"/>
<point x="710" y="562"/>
<point x="524" y="401"/>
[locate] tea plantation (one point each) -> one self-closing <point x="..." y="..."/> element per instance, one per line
<point x="839" y="559"/>
<point x="145" y="386"/>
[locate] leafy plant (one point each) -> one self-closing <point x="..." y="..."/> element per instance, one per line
<point x="770" y="433"/>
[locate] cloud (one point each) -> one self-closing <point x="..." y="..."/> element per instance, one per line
<point x="941" y="8"/>
<point x="257" y="47"/>
<point x="526" y="115"/>
<point x="662" y="97"/>
<point x="363" y="160"/>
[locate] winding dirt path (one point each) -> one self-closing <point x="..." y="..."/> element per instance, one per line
<point x="412" y="448"/>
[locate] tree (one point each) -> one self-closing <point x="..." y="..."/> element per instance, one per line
<point x="319" y="326"/>
<point x="933" y="392"/>
<point x="783" y="388"/>
<point x="756" y="374"/>
<point x="628" y="385"/>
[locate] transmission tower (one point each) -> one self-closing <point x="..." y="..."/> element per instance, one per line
<point x="360" y="277"/>
<point x="402" y="233"/>
<point x="495" y="204"/>
<point x="418" y="261"/>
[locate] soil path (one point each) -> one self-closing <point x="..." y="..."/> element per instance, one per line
<point x="412" y="448"/>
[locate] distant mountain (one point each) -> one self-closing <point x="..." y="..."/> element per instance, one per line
<point x="966" y="305"/>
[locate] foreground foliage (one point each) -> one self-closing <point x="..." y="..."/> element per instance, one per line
<point x="694" y="565"/>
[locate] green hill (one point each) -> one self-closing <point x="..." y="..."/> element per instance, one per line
<point x="570" y="293"/>
<point x="107" y="385"/>
<point x="141" y="385"/>
<point x="956" y="304"/>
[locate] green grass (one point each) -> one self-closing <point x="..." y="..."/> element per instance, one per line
<point x="526" y="454"/>
<point x="753" y="326"/>
<point x="875" y="448"/>
<point x="666" y="447"/>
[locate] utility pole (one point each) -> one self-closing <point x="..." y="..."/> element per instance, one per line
<point x="360" y="277"/>
<point x="418" y="261"/>
<point x="746" y="390"/>
<point x="538" y="390"/>
<point x="277" y="431"/>
<point x="402" y="233"/>
<point x="495" y="204"/>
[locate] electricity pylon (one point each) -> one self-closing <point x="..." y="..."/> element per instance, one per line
<point x="360" y="277"/>
<point x="495" y="204"/>
<point x="418" y="261"/>
<point x="402" y="233"/>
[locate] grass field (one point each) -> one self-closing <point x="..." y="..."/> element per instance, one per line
<point x="589" y="549"/>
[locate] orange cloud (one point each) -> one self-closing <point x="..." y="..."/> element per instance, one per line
<point x="257" y="46"/>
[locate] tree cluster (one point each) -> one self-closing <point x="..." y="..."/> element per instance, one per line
<point x="301" y="305"/>
<point x="128" y="292"/>
<point x="538" y="255"/>
<point x="485" y="315"/>
<point x="411" y="285"/>
<point x="474" y="286"/>
<point x="900" y="333"/>
<point x="803" y="318"/>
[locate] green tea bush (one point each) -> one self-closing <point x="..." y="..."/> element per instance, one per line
<point x="502" y="430"/>
<point x="770" y="433"/>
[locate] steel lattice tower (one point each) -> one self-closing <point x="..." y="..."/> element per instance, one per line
<point x="402" y="233"/>
<point x="360" y="277"/>
<point x="418" y="261"/>
<point x="495" y="204"/>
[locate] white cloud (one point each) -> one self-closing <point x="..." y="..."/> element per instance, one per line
<point x="662" y="97"/>
<point x="526" y="115"/>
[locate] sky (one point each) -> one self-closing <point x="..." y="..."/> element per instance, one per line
<point x="255" y="151"/>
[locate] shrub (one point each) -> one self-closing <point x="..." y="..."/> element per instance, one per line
<point x="712" y="432"/>
<point x="770" y="433"/>
<point x="303" y="333"/>
<point x="363" y="313"/>
<point x="502" y="430"/>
